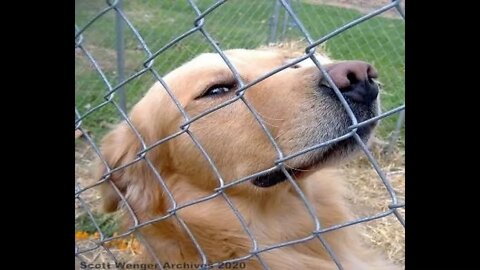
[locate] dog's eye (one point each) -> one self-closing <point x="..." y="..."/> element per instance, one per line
<point x="218" y="89"/>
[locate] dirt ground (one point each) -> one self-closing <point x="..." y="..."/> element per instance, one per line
<point x="368" y="196"/>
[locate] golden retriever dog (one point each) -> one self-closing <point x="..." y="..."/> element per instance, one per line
<point x="298" y="108"/>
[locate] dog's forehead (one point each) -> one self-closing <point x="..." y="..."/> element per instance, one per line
<point x="210" y="59"/>
<point x="213" y="65"/>
<point x="206" y="65"/>
<point x="239" y="57"/>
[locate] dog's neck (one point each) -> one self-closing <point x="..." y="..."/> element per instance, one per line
<point x="268" y="203"/>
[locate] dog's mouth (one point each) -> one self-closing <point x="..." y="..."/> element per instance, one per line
<point x="278" y="176"/>
<point x="336" y="153"/>
<point x="271" y="178"/>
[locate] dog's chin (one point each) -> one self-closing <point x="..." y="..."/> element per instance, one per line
<point x="333" y="156"/>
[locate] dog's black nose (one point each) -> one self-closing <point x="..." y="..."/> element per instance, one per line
<point x="354" y="80"/>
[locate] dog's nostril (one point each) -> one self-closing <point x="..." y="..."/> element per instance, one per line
<point x="371" y="72"/>
<point x="352" y="78"/>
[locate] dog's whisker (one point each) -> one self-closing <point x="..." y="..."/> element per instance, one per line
<point x="265" y="118"/>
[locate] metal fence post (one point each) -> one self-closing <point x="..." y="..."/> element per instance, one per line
<point x="120" y="46"/>
<point x="274" y="22"/>
<point x="286" y="19"/>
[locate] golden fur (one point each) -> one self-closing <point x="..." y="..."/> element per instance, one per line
<point x="296" y="117"/>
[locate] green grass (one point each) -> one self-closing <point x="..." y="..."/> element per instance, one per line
<point x="107" y="223"/>
<point x="236" y="24"/>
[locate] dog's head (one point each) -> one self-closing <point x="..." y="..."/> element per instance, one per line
<point x="297" y="105"/>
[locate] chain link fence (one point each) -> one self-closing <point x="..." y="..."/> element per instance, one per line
<point x="123" y="47"/>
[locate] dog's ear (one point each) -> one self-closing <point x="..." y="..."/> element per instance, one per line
<point x="137" y="181"/>
<point x="118" y="147"/>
